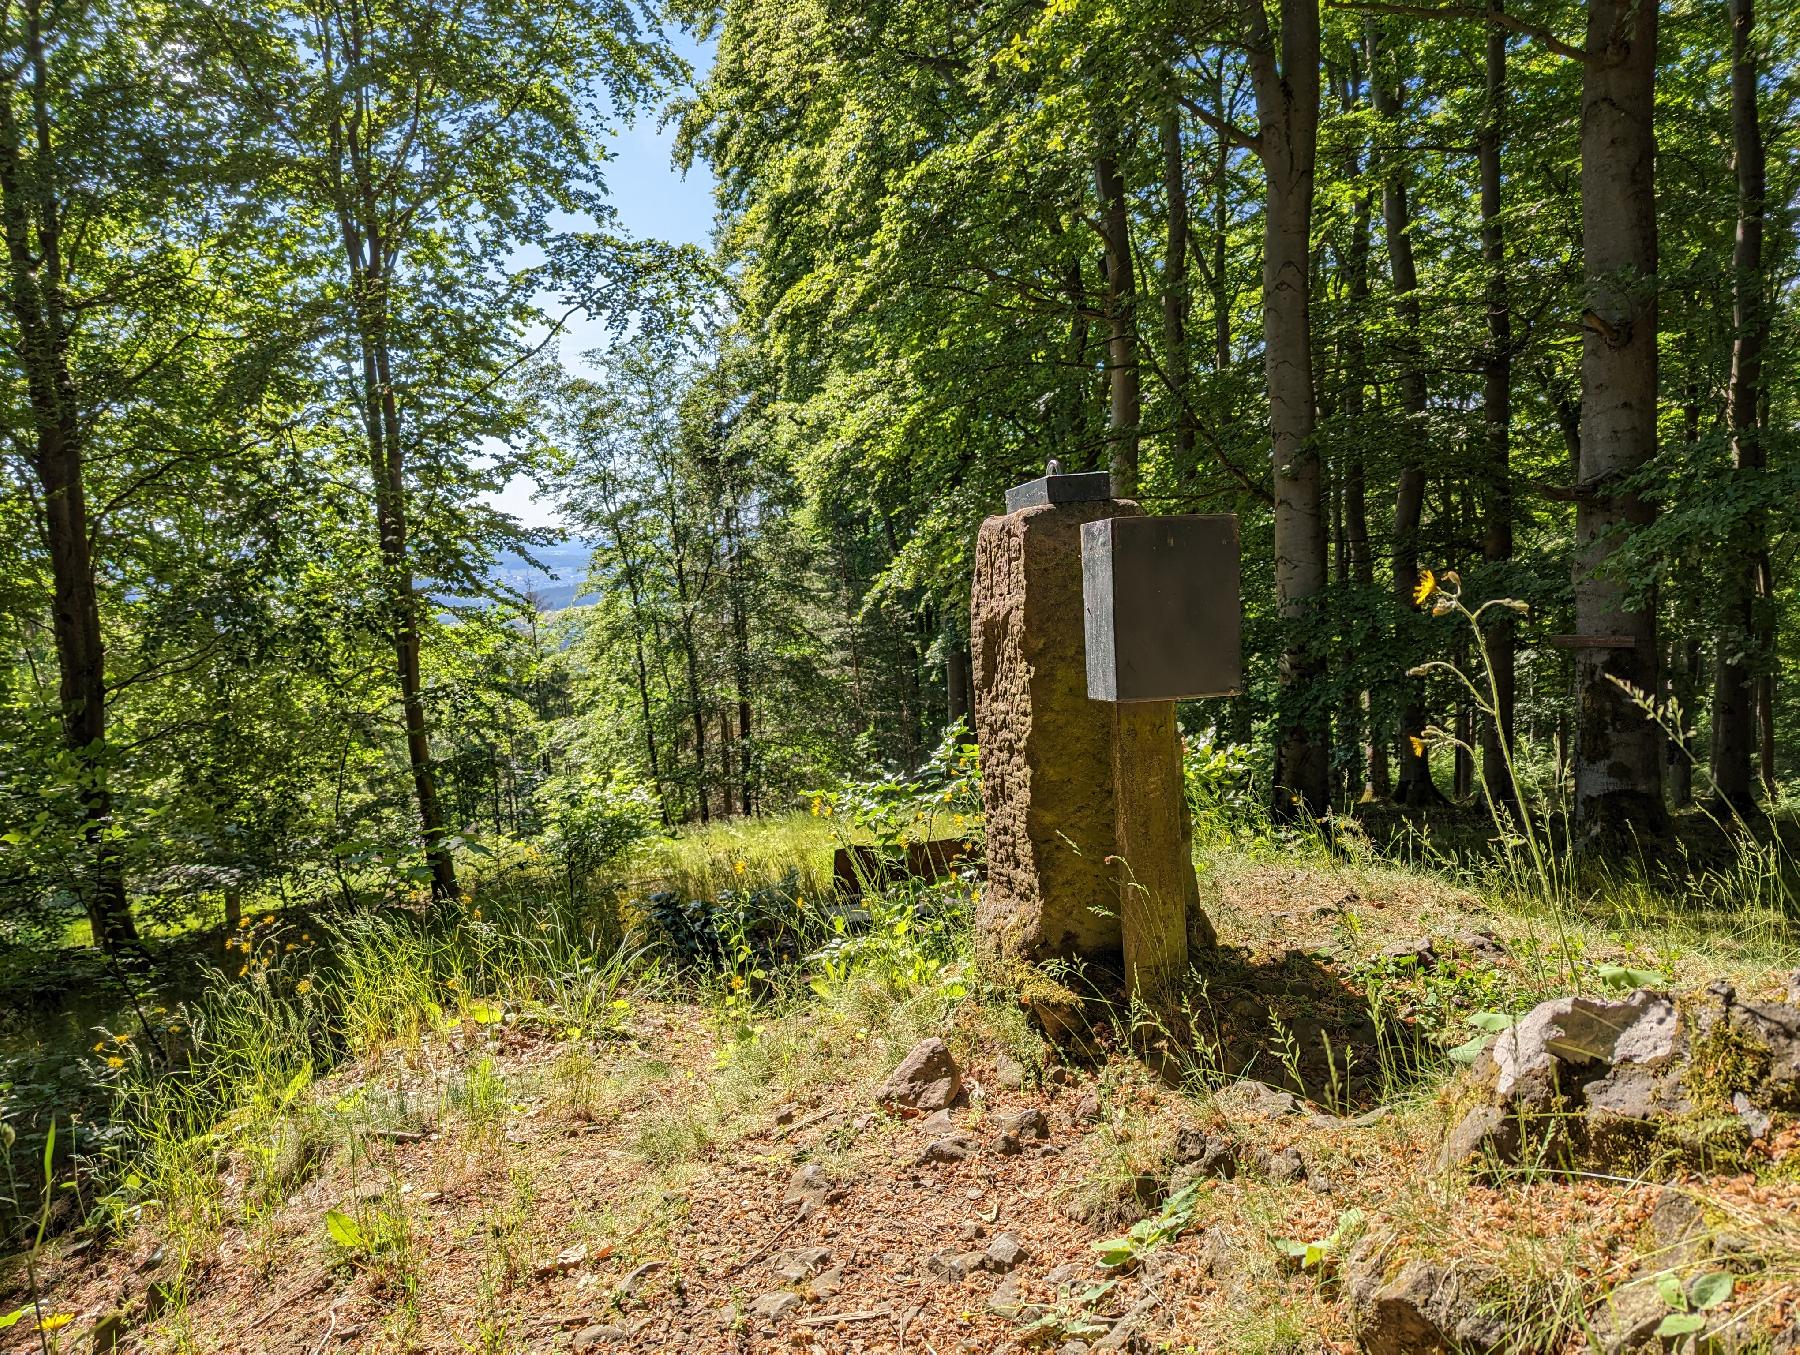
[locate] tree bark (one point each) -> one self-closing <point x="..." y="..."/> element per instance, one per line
<point x="1125" y="405"/>
<point x="31" y="216"/>
<point x="1175" y="285"/>
<point x="1414" y="785"/>
<point x="1743" y="657"/>
<point x="1496" y="407"/>
<point x="1618" y="749"/>
<point x="1287" y="103"/>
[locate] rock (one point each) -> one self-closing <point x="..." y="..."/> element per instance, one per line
<point x="109" y="1333"/>
<point x="828" y="1281"/>
<point x="1007" y="1297"/>
<point x="1417" y="949"/>
<point x="1679" y="1230"/>
<point x="807" y="1183"/>
<point x="1262" y="1099"/>
<point x="1772" y="1028"/>
<point x="786" y="1114"/>
<point x="1284" y="1167"/>
<point x="1755" y="1121"/>
<point x="1068" y="1273"/>
<point x="1572" y="1033"/>
<point x="1087" y="1109"/>
<point x="1030" y="1123"/>
<point x="971" y="1231"/>
<point x="1004" y="1253"/>
<point x="801" y="1263"/>
<point x="774" y="1306"/>
<point x="927" y="1078"/>
<point x="938" y="1122"/>
<point x="1628" y="1318"/>
<point x="1426" y="1306"/>
<point x="1207" y="1154"/>
<point x="1482" y="944"/>
<point x="1482" y="1127"/>
<point x="1009" y="1073"/>
<point x="1073" y="1348"/>
<point x="1218" y="1258"/>
<point x="1125" y="1334"/>
<point x="954" y="1267"/>
<point x="594" y="1338"/>
<point x="950" y="1148"/>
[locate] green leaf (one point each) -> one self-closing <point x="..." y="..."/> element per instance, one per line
<point x="1115" y="1251"/>
<point x="1668" y="1287"/>
<point x="1469" y="1051"/>
<point x="344" y="1230"/>
<point x="1493" y="1021"/>
<point x="12" y="1319"/>
<point x="1680" y="1324"/>
<point x="486" y="1013"/>
<point x="1711" y="1289"/>
<point x="1619" y="976"/>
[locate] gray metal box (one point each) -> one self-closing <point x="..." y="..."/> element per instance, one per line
<point x="1164" y="618"/>
<point x="1081" y="487"/>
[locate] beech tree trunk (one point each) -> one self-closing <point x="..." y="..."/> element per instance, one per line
<point x="1618" y="749"/>
<point x="1287" y="104"/>
<point x="31" y="215"/>
<point x="1745" y="650"/>
<point x="1414" y="786"/>
<point x="1175" y="286"/>
<point x="1496" y="406"/>
<point x="1121" y="350"/>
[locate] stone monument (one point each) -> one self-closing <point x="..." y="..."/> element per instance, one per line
<point x="1088" y="834"/>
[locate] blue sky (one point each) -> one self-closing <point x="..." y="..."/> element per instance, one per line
<point x="655" y="200"/>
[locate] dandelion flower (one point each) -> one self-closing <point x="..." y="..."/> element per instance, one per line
<point x="114" y="1061"/>
<point x="1426" y="586"/>
<point x="304" y="986"/>
<point x="1418" y="745"/>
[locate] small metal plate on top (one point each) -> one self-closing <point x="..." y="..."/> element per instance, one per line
<point x="1086" y="487"/>
<point x="1163" y="615"/>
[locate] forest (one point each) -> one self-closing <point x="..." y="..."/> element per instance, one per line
<point x="1478" y="317"/>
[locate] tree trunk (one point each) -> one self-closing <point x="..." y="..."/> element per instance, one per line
<point x="1742" y="660"/>
<point x="1415" y="786"/>
<point x="1496" y="405"/>
<point x="1618" y="749"/>
<point x="1684" y="687"/>
<point x="1121" y="351"/>
<point x="1175" y="285"/>
<point x="1287" y="102"/>
<point x="31" y="215"/>
<point x="740" y="663"/>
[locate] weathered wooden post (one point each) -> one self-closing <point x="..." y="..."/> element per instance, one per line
<point x="1088" y="621"/>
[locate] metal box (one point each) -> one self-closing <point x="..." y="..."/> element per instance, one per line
<point x="1055" y="487"/>
<point x="1164" y="618"/>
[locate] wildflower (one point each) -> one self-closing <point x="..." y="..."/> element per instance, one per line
<point x="476" y="914"/>
<point x="268" y="919"/>
<point x="100" y="1048"/>
<point x="1418" y="745"/>
<point x="738" y="866"/>
<point x="245" y="922"/>
<point x="243" y="969"/>
<point x="737" y="983"/>
<point x="289" y="948"/>
<point x="114" y="1061"/>
<point x="1427" y="585"/>
<point x="304" y="986"/>
<point x="122" y="1038"/>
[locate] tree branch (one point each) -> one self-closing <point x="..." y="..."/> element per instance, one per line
<point x="1511" y="22"/>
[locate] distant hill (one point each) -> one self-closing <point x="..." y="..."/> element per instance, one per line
<point x="555" y="586"/>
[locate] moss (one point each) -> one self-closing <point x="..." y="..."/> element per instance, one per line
<point x="1722" y="1060"/>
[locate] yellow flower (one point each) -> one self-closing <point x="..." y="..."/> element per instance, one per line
<point x="290" y="946"/>
<point x="244" y="922"/>
<point x="100" y="1048"/>
<point x="269" y="920"/>
<point x="1418" y="745"/>
<point x="122" y="1039"/>
<point x="114" y="1061"/>
<point x="304" y="986"/>
<point x="1426" y="586"/>
<point x="738" y="866"/>
<point x="737" y="983"/>
<point x="243" y="969"/>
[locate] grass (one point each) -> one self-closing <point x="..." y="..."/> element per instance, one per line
<point x="448" y="1033"/>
